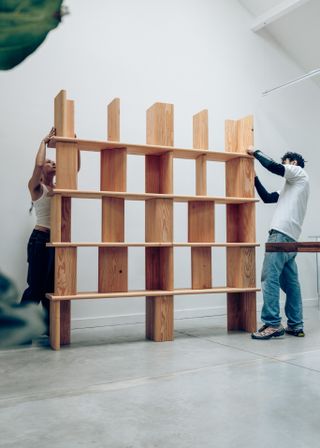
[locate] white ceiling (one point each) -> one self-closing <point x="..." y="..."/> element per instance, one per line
<point x="297" y="32"/>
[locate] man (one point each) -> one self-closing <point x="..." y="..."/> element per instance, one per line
<point x="279" y="268"/>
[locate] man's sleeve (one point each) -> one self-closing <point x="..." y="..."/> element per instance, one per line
<point x="269" y="164"/>
<point x="268" y="198"/>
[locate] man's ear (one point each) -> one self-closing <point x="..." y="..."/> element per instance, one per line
<point x="294" y="162"/>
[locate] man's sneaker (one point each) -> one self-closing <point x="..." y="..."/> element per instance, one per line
<point x="298" y="332"/>
<point x="267" y="332"/>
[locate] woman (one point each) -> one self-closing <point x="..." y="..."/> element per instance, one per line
<point x="41" y="258"/>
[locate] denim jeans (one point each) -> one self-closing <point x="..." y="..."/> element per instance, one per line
<point x="280" y="271"/>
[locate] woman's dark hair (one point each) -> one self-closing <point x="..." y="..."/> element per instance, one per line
<point x="293" y="156"/>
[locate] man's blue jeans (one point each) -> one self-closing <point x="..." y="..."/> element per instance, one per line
<point x="280" y="271"/>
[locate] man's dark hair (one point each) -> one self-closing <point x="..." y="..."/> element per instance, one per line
<point x="293" y="156"/>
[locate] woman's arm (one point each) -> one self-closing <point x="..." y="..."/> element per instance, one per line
<point x="34" y="182"/>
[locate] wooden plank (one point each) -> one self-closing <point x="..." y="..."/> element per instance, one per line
<point x="113" y="261"/>
<point x="201" y="140"/>
<point x="201" y="221"/>
<point x="240" y="178"/>
<point x="113" y="269"/>
<point x="159" y="223"/>
<point x="66" y="270"/>
<point x="159" y="220"/>
<point x="113" y="215"/>
<point x="241" y="307"/>
<point x="201" y="268"/>
<point x="153" y="244"/>
<point x="160" y="124"/>
<point x="241" y="223"/>
<point x="67" y="166"/>
<point x="66" y="177"/>
<point x="200" y="130"/>
<point x="55" y="324"/>
<point x="140" y="149"/>
<point x="114" y="170"/>
<point x="241" y="311"/>
<point x="159" y="325"/>
<point x="146" y="196"/>
<point x="149" y="293"/>
<point x="201" y="175"/>
<point x="309" y="246"/>
<point x="56" y="218"/>
<point x="60" y="114"/>
<point x="239" y="134"/>
<point x="241" y="267"/>
<point x="159" y="268"/>
<point x="65" y="284"/>
<point x="114" y="120"/>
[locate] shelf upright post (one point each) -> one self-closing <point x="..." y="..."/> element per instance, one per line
<point x="113" y="261"/>
<point x="65" y="257"/>
<point x="241" y="307"/>
<point x="159" y="224"/>
<point x="201" y="213"/>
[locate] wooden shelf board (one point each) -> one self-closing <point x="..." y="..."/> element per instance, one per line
<point x="309" y="246"/>
<point x="86" y="194"/>
<point x="153" y="244"/>
<point x="180" y="153"/>
<point x="147" y="293"/>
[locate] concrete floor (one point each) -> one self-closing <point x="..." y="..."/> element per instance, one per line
<point x="208" y="388"/>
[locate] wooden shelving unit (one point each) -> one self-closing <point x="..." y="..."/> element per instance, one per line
<point x="159" y="153"/>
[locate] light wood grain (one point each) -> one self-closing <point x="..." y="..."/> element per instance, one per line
<point x="241" y="311"/>
<point x="153" y="244"/>
<point x="241" y="267"/>
<point x="200" y="221"/>
<point x="201" y="268"/>
<point x="159" y="223"/>
<point x="56" y="210"/>
<point x="66" y="177"/>
<point x="241" y="223"/>
<point x="146" y="196"/>
<point x="240" y="226"/>
<point x="55" y="324"/>
<point x="159" y="220"/>
<point x="113" y="269"/>
<point x="114" y="120"/>
<point x="140" y="149"/>
<point x="149" y="293"/>
<point x="160" y="124"/>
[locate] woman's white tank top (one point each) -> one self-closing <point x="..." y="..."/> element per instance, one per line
<point x="42" y="208"/>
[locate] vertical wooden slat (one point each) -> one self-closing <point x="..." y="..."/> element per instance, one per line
<point x="65" y="283"/>
<point x="240" y="226"/>
<point x="201" y="230"/>
<point x="159" y="224"/>
<point x="55" y="325"/>
<point x="201" y="214"/>
<point x="241" y="311"/>
<point x="66" y="177"/>
<point x="113" y="262"/>
<point x="114" y="120"/>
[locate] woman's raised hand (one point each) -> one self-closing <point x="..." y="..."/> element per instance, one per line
<point x="50" y="135"/>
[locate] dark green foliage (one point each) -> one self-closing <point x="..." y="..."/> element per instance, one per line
<point x="23" y="27"/>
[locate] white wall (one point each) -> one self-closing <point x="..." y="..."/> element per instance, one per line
<point x="193" y="53"/>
